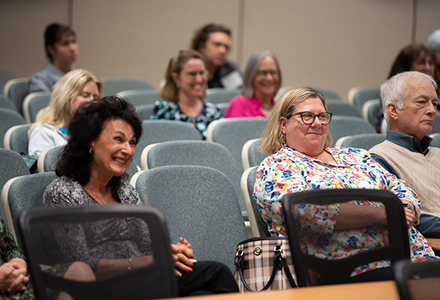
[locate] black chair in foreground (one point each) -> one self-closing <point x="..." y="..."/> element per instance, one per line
<point x="45" y="236"/>
<point x="417" y="281"/>
<point x="334" y="271"/>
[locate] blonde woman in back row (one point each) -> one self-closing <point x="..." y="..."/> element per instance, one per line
<point x="73" y="89"/>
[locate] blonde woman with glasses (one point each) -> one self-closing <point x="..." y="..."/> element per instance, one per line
<point x="298" y="138"/>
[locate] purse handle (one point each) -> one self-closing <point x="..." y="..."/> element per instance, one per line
<point x="279" y="258"/>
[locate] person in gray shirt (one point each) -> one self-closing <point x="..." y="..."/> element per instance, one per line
<point x="62" y="50"/>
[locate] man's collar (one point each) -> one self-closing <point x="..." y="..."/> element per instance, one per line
<point x="409" y="142"/>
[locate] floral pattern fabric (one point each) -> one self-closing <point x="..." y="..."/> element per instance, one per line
<point x="170" y="111"/>
<point x="10" y="250"/>
<point x="289" y="171"/>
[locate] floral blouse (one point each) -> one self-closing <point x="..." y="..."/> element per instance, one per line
<point x="289" y="171"/>
<point x="170" y="111"/>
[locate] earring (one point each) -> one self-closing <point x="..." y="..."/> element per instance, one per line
<point x="90" y="150"/>
<point x="177" y="86"/>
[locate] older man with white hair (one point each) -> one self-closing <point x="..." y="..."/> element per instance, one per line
<point x="410" y="101"/>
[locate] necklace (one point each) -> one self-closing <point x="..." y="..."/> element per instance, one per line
<point x="95" y="196"/>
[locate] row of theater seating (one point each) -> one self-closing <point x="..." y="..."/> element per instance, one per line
<point x="141" y="93"/>
<point x="214" y="228"/>
<point x="199" y="203"/>
<point x="231" y="147"/>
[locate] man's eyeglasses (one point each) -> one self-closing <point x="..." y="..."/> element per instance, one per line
<point x="308" y="117"/>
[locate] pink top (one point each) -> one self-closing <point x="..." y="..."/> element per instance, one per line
<point x="242" y="107"/>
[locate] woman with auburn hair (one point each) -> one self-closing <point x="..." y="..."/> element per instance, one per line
<point x="69" y="92"/>
<point x="184" y="91"/>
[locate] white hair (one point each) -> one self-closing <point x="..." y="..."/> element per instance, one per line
<point x="394" y="90"/>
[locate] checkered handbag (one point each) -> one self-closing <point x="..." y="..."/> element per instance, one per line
<point x="264" y="264"/>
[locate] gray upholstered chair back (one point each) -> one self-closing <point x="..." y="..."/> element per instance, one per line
<point x="112" y="86"/>
<point x="144" y="111"/>
<point x="339" y="108"/>
<point x="250" y="155"/>
<point x="359" y="95"/>
<point x="6" y="103"/>
<point x="234" y="133"/>
<point x="329" y="94"/>
<point x="435" y="140"/>
<point x="8" y="119"/>
<point x="15" y="89"/>
<point x="5" y="76"/>
<point x="370" y="110"/>
<point x="16" y="138"/>
<point x="11" y="165"/>
<point x="195" y="153"/>
<point x="33" y="103"/>
<point x="157" y="131"/>
<point x="48" y="159"/>
<point x="365" y="141"/>
<point x="347" y="125"/>
<point x="140" y="97"/>
<point x="258" y="226"/>
<point x="436" y="128"/>
<point x="199" y="204"/>
<point x="219" y="95"/>
<point x="24" y="192"/>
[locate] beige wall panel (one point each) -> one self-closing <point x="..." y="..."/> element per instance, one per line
<point x="22" y="24"/>
<point x="332" y="44"/>
<point x="136" y="38"/>
<point x="428" y="19"/>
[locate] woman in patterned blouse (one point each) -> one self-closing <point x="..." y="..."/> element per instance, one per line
<point x="297" y="136"/>
<point x="183" y="93"/>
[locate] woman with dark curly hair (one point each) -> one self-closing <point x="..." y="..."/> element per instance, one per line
<point x="103" y="134"/>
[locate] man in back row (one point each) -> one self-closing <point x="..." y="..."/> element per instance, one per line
<point x="62" y="50"/>
<point x="214" y="42"/>
<point x="410" y="101"/>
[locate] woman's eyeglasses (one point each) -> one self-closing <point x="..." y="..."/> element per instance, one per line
<point x="308" y="117"/>
<point x="264" y="73"/>
<point x="201" y="73"/>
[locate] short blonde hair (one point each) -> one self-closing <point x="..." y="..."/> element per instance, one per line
<point x="272" y="137"/>
<point x="170" y="91"/>
<point x="65" y="91"/>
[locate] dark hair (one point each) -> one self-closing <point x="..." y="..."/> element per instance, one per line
<point x="202" y="34"/>
<point x="407" y="56"/>
<point x="84" y="127"/>
<point x="53" y="34"/>
<point x="169" y="91"/>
